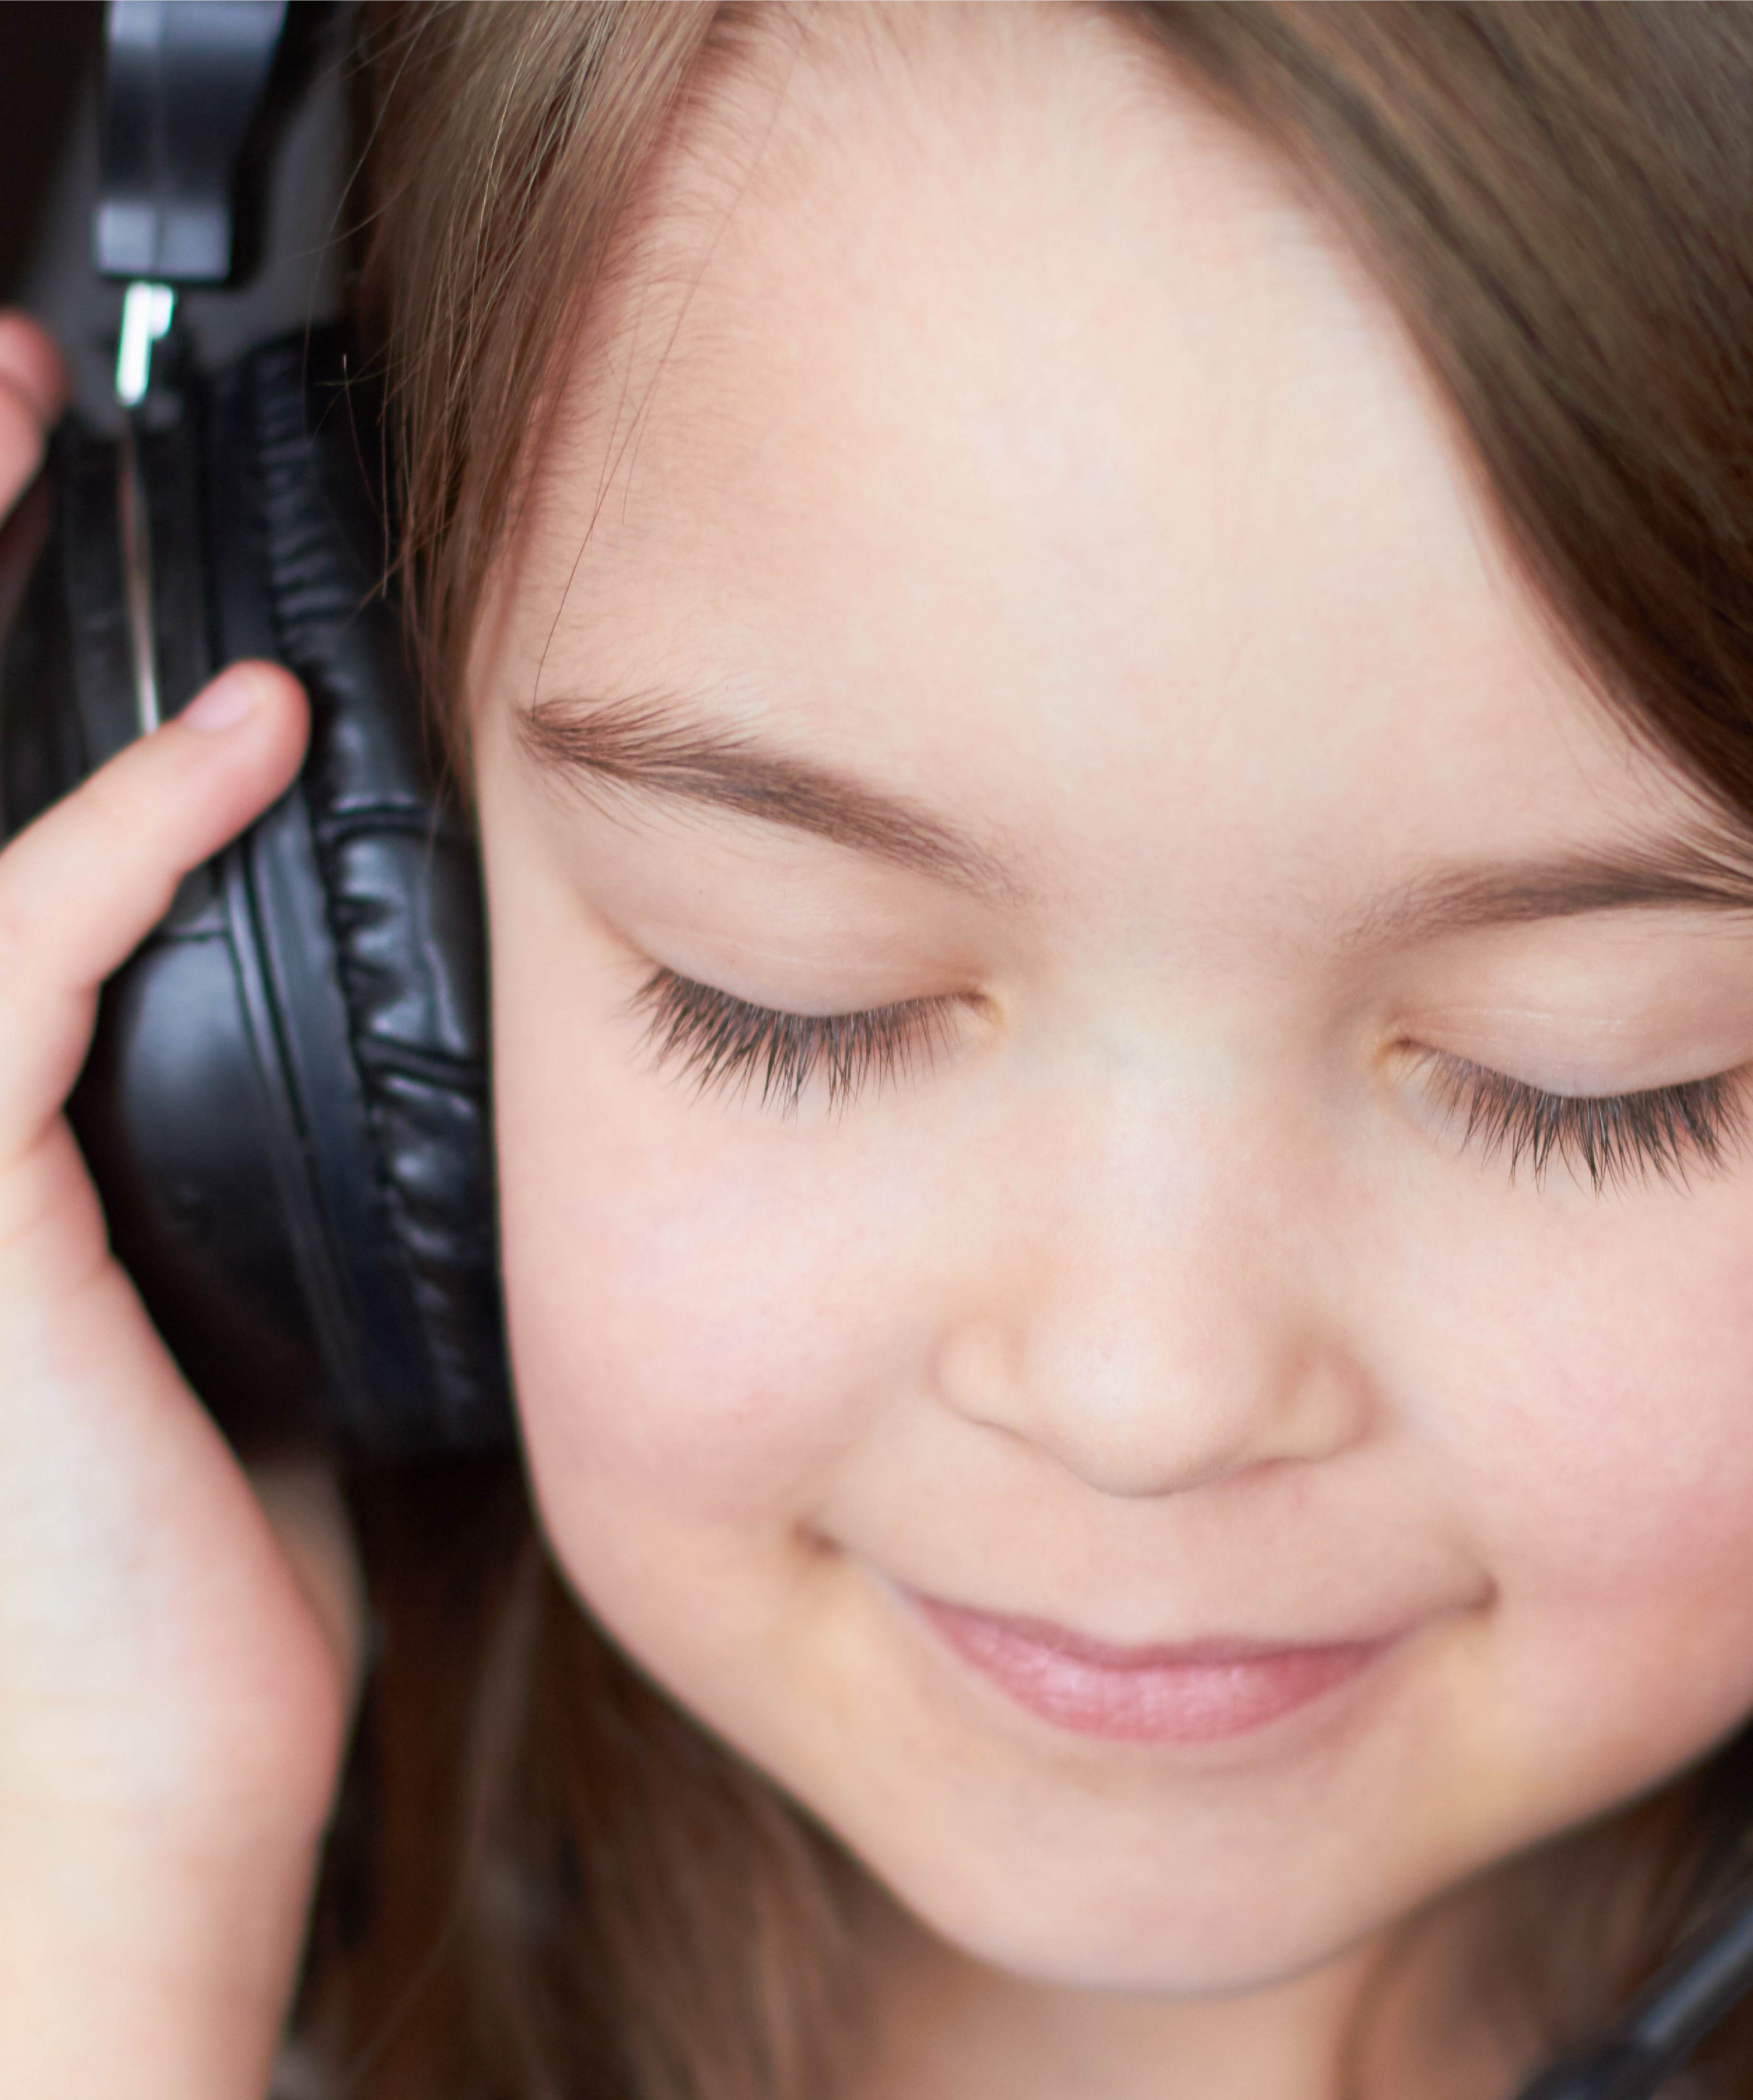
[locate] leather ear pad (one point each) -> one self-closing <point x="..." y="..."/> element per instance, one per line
<point x="286" y="1109"/>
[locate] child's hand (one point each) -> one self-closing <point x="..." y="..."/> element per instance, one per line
<point x="178" y="1652"/>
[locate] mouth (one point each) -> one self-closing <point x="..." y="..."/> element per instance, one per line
<point x="1200" y="1692"/>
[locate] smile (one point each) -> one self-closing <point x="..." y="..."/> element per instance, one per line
<point x="1199" y="1693"/>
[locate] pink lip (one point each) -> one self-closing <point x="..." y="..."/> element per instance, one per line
<point x="1197" y="1694"/>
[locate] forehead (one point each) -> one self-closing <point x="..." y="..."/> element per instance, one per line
<point x="975" y="397"/>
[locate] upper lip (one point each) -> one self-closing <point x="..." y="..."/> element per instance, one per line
<point x="1210" y="1652"/>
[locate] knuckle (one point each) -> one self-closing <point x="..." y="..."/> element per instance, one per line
<point x="128" y="820"/>
<point x="113" y="805"/>
<point x="29" y="1212"/>
<point x="21" y="940"/>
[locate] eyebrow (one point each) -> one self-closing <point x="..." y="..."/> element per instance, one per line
<point x="657" y="746"/>
<point x="664" y="746"/>
<point x="1677" y="874"/>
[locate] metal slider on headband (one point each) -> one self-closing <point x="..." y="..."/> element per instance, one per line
<point x="183" y="81"/>
<point x="147" y="309"/>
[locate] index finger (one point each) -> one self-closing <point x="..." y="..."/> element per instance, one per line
<point x="85" y="882"/>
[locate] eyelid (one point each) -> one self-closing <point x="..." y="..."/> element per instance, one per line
<point x="724" y="1042"/>
<point x="1617" y="1140"/>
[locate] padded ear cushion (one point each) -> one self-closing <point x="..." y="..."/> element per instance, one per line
<point x="285" y="1108"/>
<point x="182" y="1108"/>
<point x="366" y="897"/>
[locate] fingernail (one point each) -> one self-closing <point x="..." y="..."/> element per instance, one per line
<point x="224" y="703"/>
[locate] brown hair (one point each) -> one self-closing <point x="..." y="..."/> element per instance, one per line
<point x="544" y="1879"/>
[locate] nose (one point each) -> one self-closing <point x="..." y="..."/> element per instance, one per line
<point x="1156" y="1332"/>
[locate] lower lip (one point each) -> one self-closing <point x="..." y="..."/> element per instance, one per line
<point x="1199" y="1694"/>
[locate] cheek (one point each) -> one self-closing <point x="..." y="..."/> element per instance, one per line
<point x="1600" y="1434"/>
<point x="1625" y="1443"/>
<point x="701" y="1311"/>
<point x="643" y="1304"/>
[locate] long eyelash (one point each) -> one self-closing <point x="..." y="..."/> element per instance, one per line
<point x="727" y="1045"/>
<point x="1616" y="1139"/>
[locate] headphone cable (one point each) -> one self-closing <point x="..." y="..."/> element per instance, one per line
<point x="1689" y="1996"/>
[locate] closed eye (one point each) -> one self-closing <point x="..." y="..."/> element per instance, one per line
<point x="1612" y="1141"/>
<point x="726" y="1045"/>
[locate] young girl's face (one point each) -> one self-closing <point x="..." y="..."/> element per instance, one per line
<point x="1079" y="1409"/>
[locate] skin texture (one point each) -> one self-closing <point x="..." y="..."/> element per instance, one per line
<point x="985" y="421"/>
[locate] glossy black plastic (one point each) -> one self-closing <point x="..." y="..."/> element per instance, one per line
<point x="183" y="79"/>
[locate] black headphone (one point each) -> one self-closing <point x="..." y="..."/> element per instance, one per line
<point x="285" y="1108"/>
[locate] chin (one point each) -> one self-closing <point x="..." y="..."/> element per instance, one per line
<point x="1193" y="1943"/>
